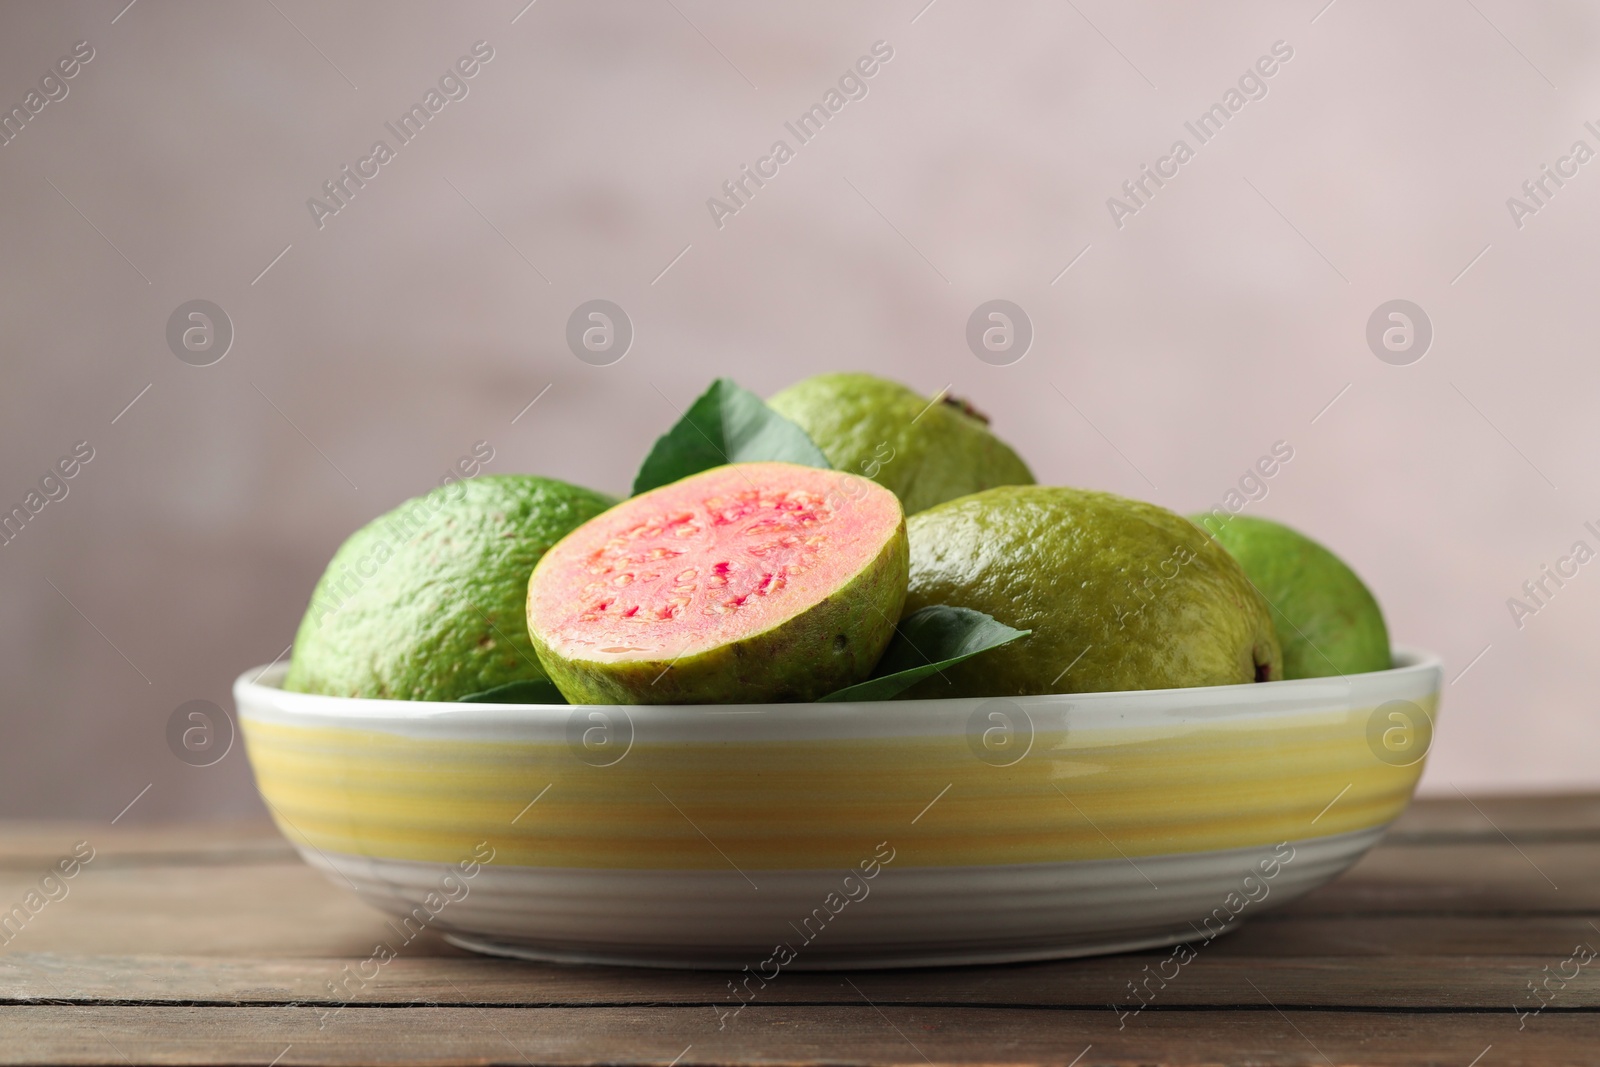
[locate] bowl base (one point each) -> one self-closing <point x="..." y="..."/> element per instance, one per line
<point x="802" y="920"/>
<point x="521" y="950"/>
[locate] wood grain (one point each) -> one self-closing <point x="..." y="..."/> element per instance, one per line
<point x="217" y="945"/>
<point x="1455" y="982"/>
<point x="1522" y="818"/>
<point x="885" y="1034"/>
<point x="33" y="845"/>
<point x="275" y="908"/>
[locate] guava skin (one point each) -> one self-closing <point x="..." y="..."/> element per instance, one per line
<point x="793" y="656"/>
<point x="882" y="430"/>
<point x="1328" y="620"/>
<point x="1119" y="594"/>
<point x="427" y="602"/>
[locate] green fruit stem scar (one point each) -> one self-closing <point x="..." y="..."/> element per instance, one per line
<point x="752" y="582"/>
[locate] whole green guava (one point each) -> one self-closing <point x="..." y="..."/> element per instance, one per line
<point x="428" y="601"/>
<point x="1327" y="619"/>
<point x="1119" y="594"/>
<point x="924" y="451"/>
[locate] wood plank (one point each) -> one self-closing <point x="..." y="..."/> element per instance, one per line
<point x="37" y="844"/>
<point x="1522" y="818"/>
<point x="1483" y="878"/>
<point x="1285" y="935"/>
<point x="1458" y="983"/>
<point x="204" y="945"/>
<point x="1269" y="936"/>
<point x="265" y="910"/>
<point x="885" y="1034"/>
<point x="284" y="909"/>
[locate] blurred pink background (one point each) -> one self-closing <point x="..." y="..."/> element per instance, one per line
<point x="1222" y="317"/>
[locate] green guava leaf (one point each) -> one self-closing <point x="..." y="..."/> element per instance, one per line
<point x="925" y="642"/>
<point x="528" y="691"/>
<point x="727" y="424"/>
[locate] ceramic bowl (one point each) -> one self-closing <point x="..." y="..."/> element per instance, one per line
<point x="896" y="833"/>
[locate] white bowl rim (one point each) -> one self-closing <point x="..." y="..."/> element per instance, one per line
<point x="1416" y="673"/>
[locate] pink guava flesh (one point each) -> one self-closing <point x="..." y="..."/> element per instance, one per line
<point x="750" y="582"/>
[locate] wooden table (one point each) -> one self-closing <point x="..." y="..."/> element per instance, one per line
<point x="214" y="944"/>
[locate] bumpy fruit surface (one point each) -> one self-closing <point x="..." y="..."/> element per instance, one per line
<point x="925" y="452"/>
<point x="427" y="602"/>
<point x="1327" y="619"/>
<point x="1119" y="594"/>
<point x="747" y="583"/>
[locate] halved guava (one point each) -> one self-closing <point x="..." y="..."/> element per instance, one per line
<point x="747" y="583"/>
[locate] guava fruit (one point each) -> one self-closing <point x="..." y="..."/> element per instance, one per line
<point x="923" y="451"/>
<point x="747" y="583"/>
<point x="1327" y="619"/>
<point x="1119" y="594"/>
<point x="427" y="601"/>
